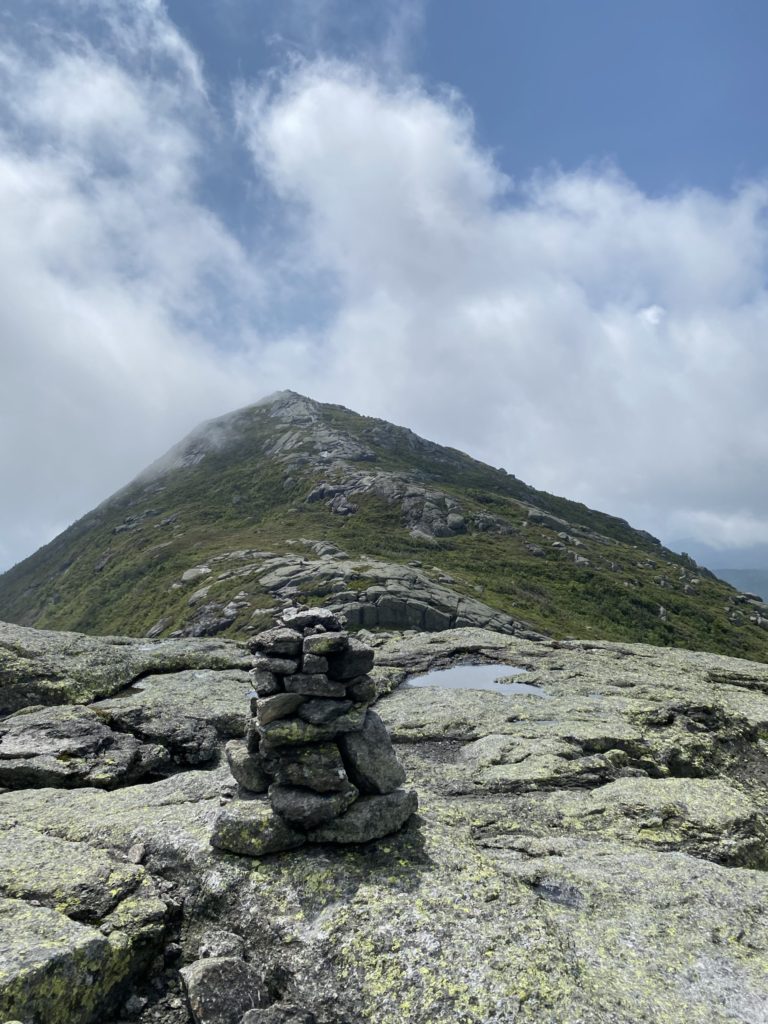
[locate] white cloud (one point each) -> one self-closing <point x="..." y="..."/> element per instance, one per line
<point x="109" y="271"/>
<point x="597" y="342"/>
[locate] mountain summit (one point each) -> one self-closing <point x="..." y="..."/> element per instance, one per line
<point x="294" y="500"/>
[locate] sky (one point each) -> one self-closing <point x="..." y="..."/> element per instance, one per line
<point x="535" y="230"/>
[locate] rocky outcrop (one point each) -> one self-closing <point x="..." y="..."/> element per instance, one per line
<point x="191" y="714"/>
<point x="71" y="746"/>
<point x="77" y="927"/>
<point x="367" y="592"/>
<point x="47" y="667"/>
<point x="595" y="852"/>
<point x="334" y="774"/>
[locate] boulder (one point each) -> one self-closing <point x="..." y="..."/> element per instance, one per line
<point x="357" y="660"/>
<point x="370" y="759"/>
<point x="279" y="642"/>
<point x="221" y="989"/>
<point x="369" y="817"/>
<point x="247" y="769"/>
<point x="309" y="618"/>
<point x="60" y="971"/>
<point x="323" y="644"/>
<point x="305" y="808"/>
<point x="251" y="828"/>
<point x="317" y="767"/>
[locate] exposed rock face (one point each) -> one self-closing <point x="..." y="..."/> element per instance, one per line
<point x="311" y="741"/>
<point x="71" y="746"/>
<point x="394" y="597"/>
<point x="596" y="854"/>
<point x="189" y="713"/>
<point x="75" y="927"/>
<point x="45" y="667"/>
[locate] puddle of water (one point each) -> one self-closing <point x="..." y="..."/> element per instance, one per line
<point x="477" y="677"/>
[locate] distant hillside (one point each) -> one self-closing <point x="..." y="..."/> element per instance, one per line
<point x="291" y="499"/>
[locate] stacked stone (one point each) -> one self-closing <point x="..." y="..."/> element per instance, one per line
<point x="312" y="743"/>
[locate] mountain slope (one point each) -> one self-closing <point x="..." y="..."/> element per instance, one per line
<point x="291" y="499"/>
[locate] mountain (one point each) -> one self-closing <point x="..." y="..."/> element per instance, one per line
<point x="293" y="500"/>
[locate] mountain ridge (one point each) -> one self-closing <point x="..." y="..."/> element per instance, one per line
<point x="292" y="499"/>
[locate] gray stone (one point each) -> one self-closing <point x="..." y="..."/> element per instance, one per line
<point x="218" y="942"/>
<point x="281" y="705"/>
<point x="192" y="575"/>
<point x="314" y="686"/>
<point x="362" y="690"/>
<point x="278" y="666"/>
<point x="310" y="617"/>
<point x="416" y="611"/>
<point x="357" y="660"/>
<point x="317" y="767"/>
<point x="392" y="613"/>
<point x="322" y="711"/>
<point x="360" y="615"/>
<point x="279" y="642"/>
<point x="313" y="664"/>
<point x="221" y="989"/>
<point x="252" y="829"/>
<point x="265" y="683"/>
<point x="436" y="620"/>
<point x="369" y="757"/>
<point x="288" y="732"/>
<point x="306" y="808"/>
<point x="323" y="644"/>
<point x="61" y="971"/>
<point x="72" y="878"/>
<point x="370" y="817"/>
<point x="246" y="767"/>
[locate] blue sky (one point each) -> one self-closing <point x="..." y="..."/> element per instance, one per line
<point x="669" y="91"/>
<point x="532" y="230"/>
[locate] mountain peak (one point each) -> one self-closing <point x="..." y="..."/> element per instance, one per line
<point x="291" y="499"/>
<point x="217" y="434"/>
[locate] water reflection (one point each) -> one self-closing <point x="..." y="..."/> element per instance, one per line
<point x="477" y="677"/>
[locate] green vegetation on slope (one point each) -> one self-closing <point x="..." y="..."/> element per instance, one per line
<point x="117" y="570"/>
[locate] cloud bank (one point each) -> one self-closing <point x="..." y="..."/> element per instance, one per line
<point x="596" y="341"/>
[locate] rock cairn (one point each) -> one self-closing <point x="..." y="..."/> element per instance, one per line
<point x="312" y="744"/>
